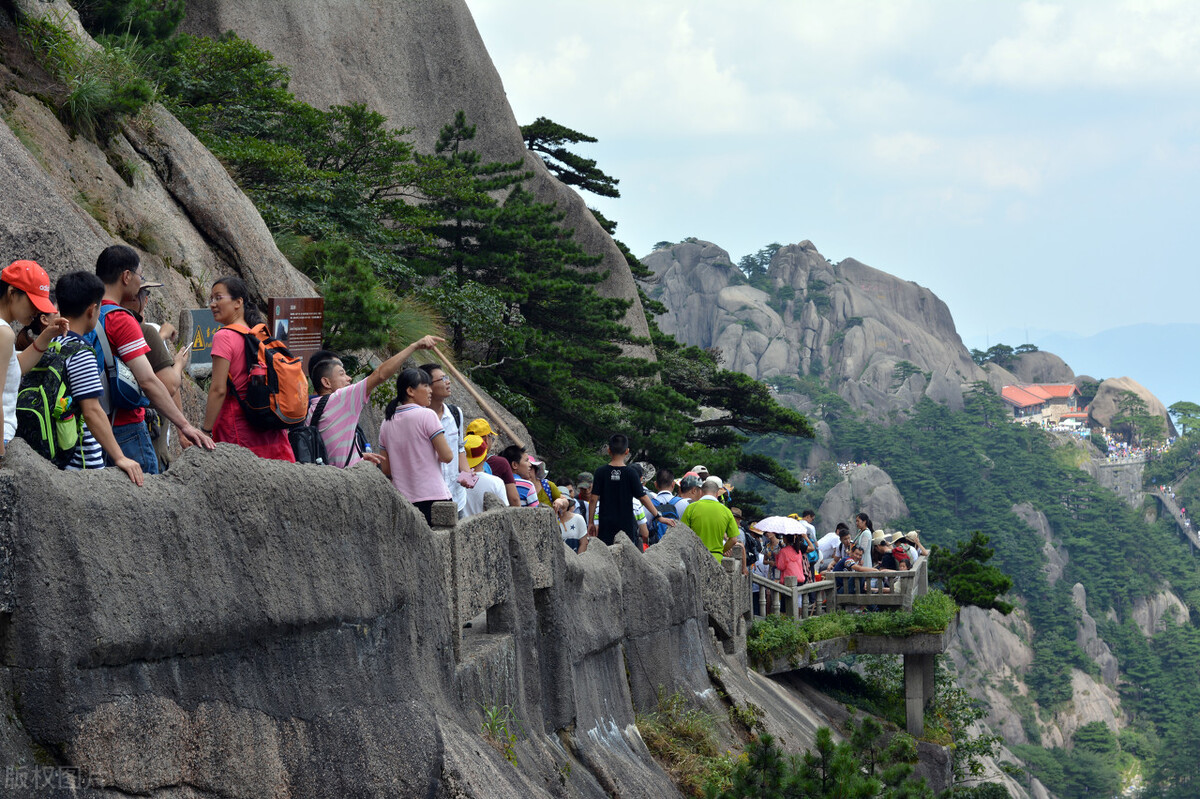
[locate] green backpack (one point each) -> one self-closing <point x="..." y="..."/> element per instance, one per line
<point x="47" y="418"/>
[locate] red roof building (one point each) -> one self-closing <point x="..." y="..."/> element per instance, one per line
<point x="1042" y="402"/>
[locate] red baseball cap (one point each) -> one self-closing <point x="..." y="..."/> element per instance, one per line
<point x="31" y="279"/>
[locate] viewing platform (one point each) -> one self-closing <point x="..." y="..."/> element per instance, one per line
<point x="819" y="598"/>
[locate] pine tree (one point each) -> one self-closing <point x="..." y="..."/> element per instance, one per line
<point x="458" y="188"/>
<point x="547" y="138"/>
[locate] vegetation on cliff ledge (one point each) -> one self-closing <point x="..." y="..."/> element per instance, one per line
<point x="782" y="637"/>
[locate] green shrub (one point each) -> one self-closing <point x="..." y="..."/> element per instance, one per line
<point x="103" y="86"/>
<point x="779" y="636"/>
<point x="154" y="20"/>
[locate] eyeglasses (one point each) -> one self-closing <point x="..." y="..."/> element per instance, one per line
<point x="444" y="378"/>
<point x="218" y="298"/>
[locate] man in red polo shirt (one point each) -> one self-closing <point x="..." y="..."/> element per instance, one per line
<point x="120" y="270"/>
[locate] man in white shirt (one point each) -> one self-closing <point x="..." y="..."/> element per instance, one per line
<point x="833" y="547"/>
<point x="454" y="427"/>
<point x="476" y="450"/>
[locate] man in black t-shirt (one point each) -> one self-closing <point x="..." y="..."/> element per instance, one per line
<point x="615" y="487"/>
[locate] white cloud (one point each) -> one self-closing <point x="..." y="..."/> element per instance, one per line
<point x="560" y="70"/>
<point x="978" y="162"/>
<point x="1134" y="43"/>
<point x="958" y="130"/>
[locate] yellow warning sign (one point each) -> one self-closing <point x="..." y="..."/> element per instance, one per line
<point x="205" y="328"/>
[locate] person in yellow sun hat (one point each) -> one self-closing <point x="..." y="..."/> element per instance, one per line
<point x="485" y="483"/>
<point x="496" y="464"/>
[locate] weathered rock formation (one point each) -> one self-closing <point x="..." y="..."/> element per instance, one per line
<point x="1152" y="613"/>
<point x="883" y="342"/>
<point x="172" y="200"/>
<point x="991" y="654"/>
<point x="1104" y="407"/>
<point x="1088" y="639"/>
<point x="1041" y="367"/>
<point x="308" y="640"/>
<point x="1057" y="556"/>
<point x="418" y="64"/>
<point x="867" y="489"/>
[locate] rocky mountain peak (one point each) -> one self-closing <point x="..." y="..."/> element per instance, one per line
<point x="883" y="342"/>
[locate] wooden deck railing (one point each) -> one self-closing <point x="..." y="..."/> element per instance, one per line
<point x="841" y="589"/>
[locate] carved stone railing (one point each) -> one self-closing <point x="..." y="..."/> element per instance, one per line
<point x="889" y="590"/>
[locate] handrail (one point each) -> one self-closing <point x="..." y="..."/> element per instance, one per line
<point x="1190" y="534"/>
<point x="855" y="589"/>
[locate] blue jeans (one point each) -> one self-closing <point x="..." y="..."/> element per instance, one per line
<point x="134" y="440"/>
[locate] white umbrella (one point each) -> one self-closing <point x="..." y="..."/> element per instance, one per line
<point x="779" y="525"/>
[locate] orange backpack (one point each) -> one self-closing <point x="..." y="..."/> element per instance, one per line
<point x="277" y="395"/>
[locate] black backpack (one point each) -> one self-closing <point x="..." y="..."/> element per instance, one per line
<point x="306" y="441"/>
<point x="48" y="418"/>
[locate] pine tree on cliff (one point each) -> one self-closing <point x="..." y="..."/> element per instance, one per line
<point x="459" y="188"/>
<point x="547" y="138"/>
<point x="552" y="349"/>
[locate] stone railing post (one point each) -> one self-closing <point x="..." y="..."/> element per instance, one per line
<point x="790" y="582"/>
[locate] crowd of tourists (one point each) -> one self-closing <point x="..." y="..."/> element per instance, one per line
<point x="843" y="554"/>
<point x="90" y="384"/>
<point x="1120" y="450"/>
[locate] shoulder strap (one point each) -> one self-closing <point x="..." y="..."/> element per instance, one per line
<point x="251" y="344"/>
<point x="355" y="446"/>
<point x="107" y="401"/>
<point x="456" y="414"/>
<point x="320" y="409"/>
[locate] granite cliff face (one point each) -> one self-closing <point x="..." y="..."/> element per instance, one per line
<point x="417" y="64"/>
<point x="867" y="489"/>
<point x="172" y="200"/>
<point x="310" y="640"/>
<point x="1104" y="407"/>
<point x="881" y="341"/>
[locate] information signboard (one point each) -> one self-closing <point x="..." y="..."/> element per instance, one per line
<point x="297" y="321"/>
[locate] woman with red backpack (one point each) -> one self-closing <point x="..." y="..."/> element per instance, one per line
<point x="224" y="417"/>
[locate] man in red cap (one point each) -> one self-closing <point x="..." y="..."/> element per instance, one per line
<point x="24" y="293"/>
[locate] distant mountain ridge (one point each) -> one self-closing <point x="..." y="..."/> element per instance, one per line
<point x="880" y="341"/>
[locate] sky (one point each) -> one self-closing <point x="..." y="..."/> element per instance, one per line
<point x="1035" y="164"/>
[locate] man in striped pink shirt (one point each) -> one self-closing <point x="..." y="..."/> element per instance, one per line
<point x="340" y="402"/>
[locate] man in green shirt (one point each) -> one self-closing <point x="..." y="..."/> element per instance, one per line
<point x="711" y="520"/>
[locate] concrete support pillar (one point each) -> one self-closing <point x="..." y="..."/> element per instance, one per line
<point x="919" y="672"/>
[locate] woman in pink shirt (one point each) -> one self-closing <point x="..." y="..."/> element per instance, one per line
<point x="790" y="560"/>
<point x="413" y="443"/>
<point x="223" y="417"/>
